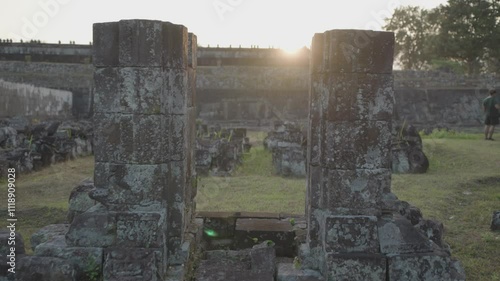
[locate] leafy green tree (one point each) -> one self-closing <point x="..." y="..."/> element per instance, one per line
<point x="413" y="27"/>
<point x="468" y="33"/>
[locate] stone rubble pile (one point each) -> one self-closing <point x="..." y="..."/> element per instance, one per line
<point x="219" y="151"/>
<point x="288" y="144"/>
<point x="407" y="154"/>
<point x="27" y="147"/>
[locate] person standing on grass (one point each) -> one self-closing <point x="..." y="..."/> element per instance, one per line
<point x="490" y="107"/>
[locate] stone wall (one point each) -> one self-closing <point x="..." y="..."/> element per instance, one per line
<point x="441" y="108"/>
<point x="76" y="78"/>
<point x="34" y="102"/>
<point x="254" y="87"/>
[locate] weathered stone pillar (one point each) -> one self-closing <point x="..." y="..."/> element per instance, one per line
<point x="144" y="120"/>
<point x="352" y="234"/>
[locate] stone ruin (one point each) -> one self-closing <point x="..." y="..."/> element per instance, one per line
<point x="407" y="151"/>
<point x="142" y="226"/>
<point x="354" y="228"/>
<point x="219" y="151"/>
<point x="144" y="161"/>
<point x="26" y="146"/>
<point x="288" y="145"/>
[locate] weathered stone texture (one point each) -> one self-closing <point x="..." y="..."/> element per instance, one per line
<point x="354" y="267"/>
<point x="351" y="234"/>
<point x="131" y="264"/>
<point x="47" y="233"/>
<point x="354" y="229"/>
<point x="35" y="268"/>
<point x="427" y="267"/>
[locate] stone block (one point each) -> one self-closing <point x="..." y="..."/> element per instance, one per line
<point x="192" y="50"/>
<point x="140" y="43"/>
<point x="139" y="230"/>
<point x="359" y="96"/>
<point x="79" y="200"/>
<point x="351" y="234"/>
<point x="191" y="88"/>
<point x="130" y="184"/>
<point x="47" y="233"/>
<point x="315" y="188"/>
<point x="34" y="268"/>
<point x="175" y="196"/>
<point x="355" y="189"/>
<point x="174" y="46"/>
<point x="175" y="91"/>
<point x="85" y="260"/>
<point x="368" y="147"/>
<point x="179" y="251"/>
<point x="355" y="267"/>
<point x="126" y="138"/>
<point x="179" y="141"/>
<point x="105" y="48"/>
<point x="353" y="51"/>
<point x="131" y="264"/>
<point x="94" y="228"/>
<point x="107" y="96"/>
<point x="399" y="236"/>
<point x="428" y="267"/>
<point x="263" y="258"/>
<point x="317" y="62"/>
<point x="287" y="272"/>
<point x="129" y="90"/>
<point x="141" y="90"/>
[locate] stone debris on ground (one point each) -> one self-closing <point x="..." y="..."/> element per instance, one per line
<point x="28" y="146"/>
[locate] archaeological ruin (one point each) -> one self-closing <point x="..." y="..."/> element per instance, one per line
<point x="140" y="222"/>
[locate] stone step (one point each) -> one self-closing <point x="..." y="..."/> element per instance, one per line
<point x="257" y="263"/>
<point x="288" y="272"/>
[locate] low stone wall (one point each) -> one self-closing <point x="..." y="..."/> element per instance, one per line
<point x="27" y="100"/>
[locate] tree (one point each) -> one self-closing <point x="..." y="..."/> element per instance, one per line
<point x="413" y="28"/>
<point x="468" y="33"/>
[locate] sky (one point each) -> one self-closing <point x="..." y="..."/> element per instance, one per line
<point x="287" y="24"/>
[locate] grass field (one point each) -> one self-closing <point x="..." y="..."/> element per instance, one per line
<point x="461" y="189"/>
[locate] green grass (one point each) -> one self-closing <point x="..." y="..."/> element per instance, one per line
<point x="461" y="189"/>
<point x="253" y="188"/>
<point x="42" y="196"/>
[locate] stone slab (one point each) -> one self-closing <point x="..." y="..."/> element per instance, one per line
<point x="287" y="272"/>
<point x="399" y="236"/>
<point x="34" y="268"/>
<point x="352" y="51"/>
<point x="355" y="267"/>
<point x="92" y="229"/>
<point x="130" y="184"/>
<point x="131" y="264"/>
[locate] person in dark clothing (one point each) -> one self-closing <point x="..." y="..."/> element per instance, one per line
<point x="491" y="105"/>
